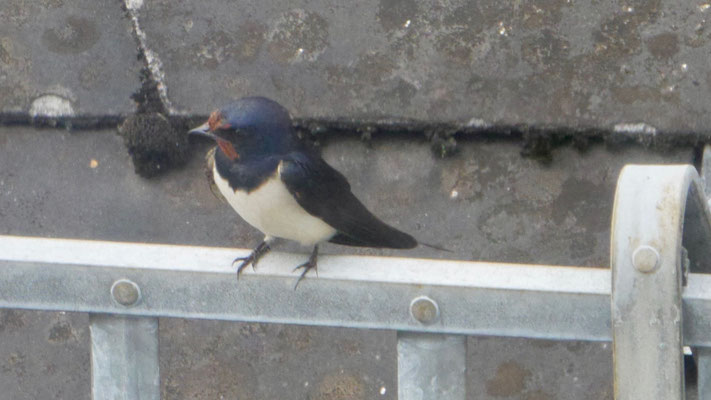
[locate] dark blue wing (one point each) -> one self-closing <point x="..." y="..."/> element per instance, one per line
<point x="325" y="193"/>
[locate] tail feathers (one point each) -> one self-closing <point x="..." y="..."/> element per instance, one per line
<point x="394" y="240"/>
<point x="400" y="241"/>
<point x="436" y="247"/>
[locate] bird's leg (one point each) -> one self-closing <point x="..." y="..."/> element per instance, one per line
<point x="308" y="265"/>
<point x="254" y="256"/>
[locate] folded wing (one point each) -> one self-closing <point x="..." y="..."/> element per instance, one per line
<point x="325" y="193"/>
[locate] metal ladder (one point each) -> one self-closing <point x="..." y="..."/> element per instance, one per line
<point x="657" y="286"/>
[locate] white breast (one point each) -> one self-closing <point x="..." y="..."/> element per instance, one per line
<point x="274" y="211"/>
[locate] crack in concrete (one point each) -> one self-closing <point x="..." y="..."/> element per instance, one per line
<point x="153" y="62"/>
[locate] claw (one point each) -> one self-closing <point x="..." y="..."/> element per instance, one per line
<point x="252" y="258"/>
<point x="307" y="266"/>
<point x="245" y="262"/>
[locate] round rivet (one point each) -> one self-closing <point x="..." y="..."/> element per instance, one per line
<point x="126" y="292"/>
<point x="424" y="309"/>
<point x="645" y="259"/>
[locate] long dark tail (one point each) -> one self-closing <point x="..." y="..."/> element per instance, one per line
<point x="393" y="239"/>
<point x="397" y="242"/>
<point x="436" y="247"/>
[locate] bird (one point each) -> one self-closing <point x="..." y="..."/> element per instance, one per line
<point x="281" y="186"/>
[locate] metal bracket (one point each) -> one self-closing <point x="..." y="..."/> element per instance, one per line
<point x="658" y="211"/>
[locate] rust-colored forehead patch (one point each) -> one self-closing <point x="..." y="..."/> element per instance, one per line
<point x="215" y="120"/>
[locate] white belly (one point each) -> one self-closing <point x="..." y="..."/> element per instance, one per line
<point x="274" y="211"/>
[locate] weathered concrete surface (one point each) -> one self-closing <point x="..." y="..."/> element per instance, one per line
<point x="67" y="58"/>
<point x="213" y="360"/>
<point x="44" y="355"/>
<point x="487" y="203"/>
<point x="574" y="64"/>
<point x="529" y="369"/>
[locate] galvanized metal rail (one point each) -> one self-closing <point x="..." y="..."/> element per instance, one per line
<point x="660" y="220"/>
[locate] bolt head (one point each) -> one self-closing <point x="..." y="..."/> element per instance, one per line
<point x="126" y="292"/>
<point x="424" y="309"/>
<point x="646" y="259"/>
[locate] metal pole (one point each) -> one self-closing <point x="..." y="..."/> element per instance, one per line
<point x="124" y="358"/>
<point x="703" y="362"/>
<point x="702" y="355"/>
<point x="124" y="351"/>
<point x="646" y="260"/>
<point x="431" y="366"/>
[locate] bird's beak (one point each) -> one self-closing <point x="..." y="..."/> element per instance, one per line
<point x="203" y="130"/>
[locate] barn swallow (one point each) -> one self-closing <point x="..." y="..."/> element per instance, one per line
<point x="284" y="188"/>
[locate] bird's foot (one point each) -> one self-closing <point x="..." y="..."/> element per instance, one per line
<point x="252" y="258"/>
<point x="307" y="266"/>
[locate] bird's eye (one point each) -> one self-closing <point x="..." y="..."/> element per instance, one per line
<point x="241" y="131"/>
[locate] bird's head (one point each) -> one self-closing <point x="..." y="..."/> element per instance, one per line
<point x="251" y="126"/>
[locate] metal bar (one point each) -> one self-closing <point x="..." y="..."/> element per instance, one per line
<point x="198" y="282"/>
<point x="124" y="358"/>
<point x="431" y="366"/>
<point x="350" y="291"/>
<point x="646" y="258"/>
<point x="696" y="300"/>
<point x="703" y="362"/>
